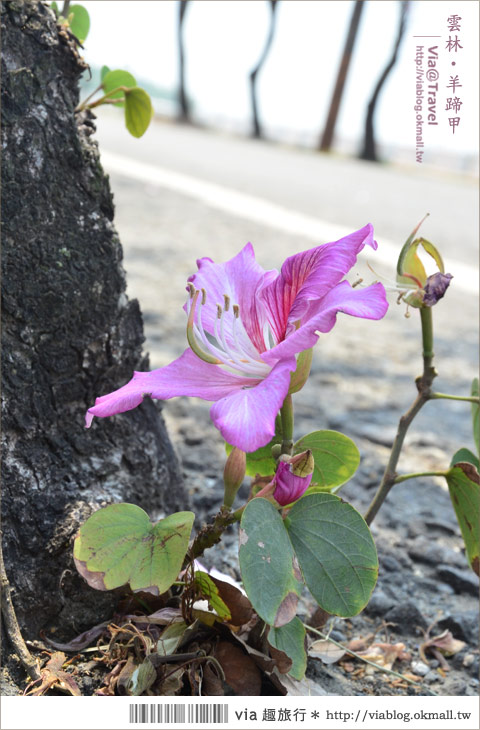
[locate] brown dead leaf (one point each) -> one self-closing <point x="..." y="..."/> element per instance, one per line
<point x="51" y="676"/>
<point x="212" y="685"/>
<point x="239" y="606"/>
<point x="241" y="672"/>
<point x="325" y="650"/>
<point x="440" y="646"/>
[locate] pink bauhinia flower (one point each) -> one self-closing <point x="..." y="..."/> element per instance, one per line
<point x="245" y="328"/>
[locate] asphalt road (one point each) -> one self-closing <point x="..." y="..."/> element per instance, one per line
<point x="329" y="189"/>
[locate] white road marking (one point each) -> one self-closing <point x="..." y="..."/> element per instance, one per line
<point x="262" y="211"/>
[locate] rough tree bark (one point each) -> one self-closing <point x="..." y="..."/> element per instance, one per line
<point x="69" y="334"/>
<point x="369" y="148"/>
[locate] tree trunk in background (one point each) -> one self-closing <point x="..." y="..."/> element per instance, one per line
<point x="369" y="151"/>
<point x="257" y="128"/>
<point x="69" y="334"/>
<point x="182" y="94"/>
<point x="328" y="132"/>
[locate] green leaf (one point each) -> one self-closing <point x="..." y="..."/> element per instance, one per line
<point x="269" y="569"/>
<point x="55" y="9"/>
<point x="336" y="552"/>
<point x="138" y="111"/>
<point x="336" y="457"/>
<point x="171" y="637"/>
<point x="464" y="486"/>
<point x="261" y="461"/>
<point x="210" y="591"/>
<point x="103" y="72"/>
<point x="291" y="640"/>
<point x="465" y="455"/>
<point x="113" y="79"/>
<point x="476" y="415"/>
<point x="119" y="545"/>
<point x="80" y="22"/>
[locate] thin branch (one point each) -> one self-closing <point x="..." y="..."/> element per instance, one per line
<point x="367" y="661"/>
<point x="424" y="385"/>
<point x="12" y="628"/>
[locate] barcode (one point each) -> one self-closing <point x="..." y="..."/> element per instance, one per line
<point x="150" y="713"/>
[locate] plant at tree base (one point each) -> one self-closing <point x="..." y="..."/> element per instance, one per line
<point x="119" y="87"/>
<point x="250" y="335"/>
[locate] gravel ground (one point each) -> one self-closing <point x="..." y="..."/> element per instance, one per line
<point x="424" y="576"/>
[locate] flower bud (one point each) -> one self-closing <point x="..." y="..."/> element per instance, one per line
<point x="293" y="477"/>
<point x="233" y="474"/>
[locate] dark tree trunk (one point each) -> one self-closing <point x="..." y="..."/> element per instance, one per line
<point x="257" y="128"/>
<point x="182" y="94"/>
<point x="69" y="335"/>
<point x="328" y="132"/>
<point x="369" y="151"/>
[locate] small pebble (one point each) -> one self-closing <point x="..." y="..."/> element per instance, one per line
<point x="468" y="660"/>
<point x="420" y="668"/>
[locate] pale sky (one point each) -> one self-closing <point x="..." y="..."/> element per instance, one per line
<point x="224" y="41"/>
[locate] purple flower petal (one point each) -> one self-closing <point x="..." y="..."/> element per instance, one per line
<point x="309" y="276"/>
<point x="288" y="487"/>
<point x="239" y="279"/>
<point x="368" y="303"/>
<point x="186" y="376"/>
<point x="246" y="417"/>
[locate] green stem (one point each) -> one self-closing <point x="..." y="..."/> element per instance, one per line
<point x="424" y="386"/>
<point x="83" y="104"/>
<point x="466" y="398"/>
<point x="286" y="414"/>
<point x="418" y="474"/>
<point x="367" y="661"/>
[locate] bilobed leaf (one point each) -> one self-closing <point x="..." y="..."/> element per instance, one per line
<point x="291" y="640"/>
<point x="476" y="416"/>
<point x="336" y="552"/>
<point x="79" y="21"/>
<point x="119" y="545"/>
<point x="113" y="79"/>
<point x="465" y="455"/>
<point x="138" y="111"/>
<point x="269" y="569"/>
<point x="464" y="487"/>
<point x="336" y="457"/>
<point x="209" y="590"/>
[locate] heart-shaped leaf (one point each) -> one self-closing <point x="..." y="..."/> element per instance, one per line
<point x="138" y="111"/>
<point x="79" y="21"/>
<point x="291" y="640"/>
<point x="269" y="569"/>
<point x="336" y="552"/>
<point x="464" y="487"/>
<point x="111" y="80"/>
<point x="119" y="545"/>
<point x="465" y="455"/>
<point x="336" y="457"/>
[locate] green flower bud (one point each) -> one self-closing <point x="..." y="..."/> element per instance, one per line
<point x="233" y="475"/>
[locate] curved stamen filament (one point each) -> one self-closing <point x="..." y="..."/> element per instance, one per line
<point x="215" y="354"/>
<point x="191" y="335"/>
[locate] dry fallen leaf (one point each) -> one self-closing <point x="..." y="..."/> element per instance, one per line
<point x="325" y="650"/>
